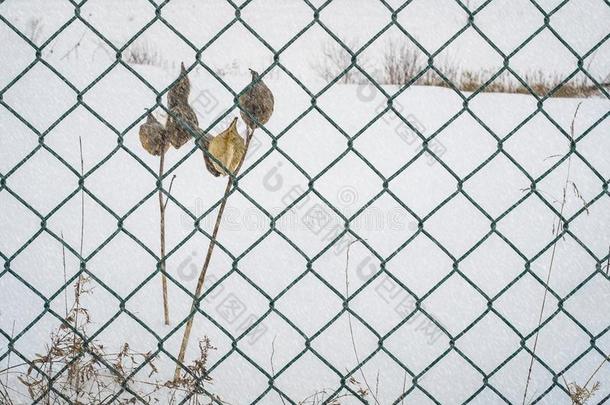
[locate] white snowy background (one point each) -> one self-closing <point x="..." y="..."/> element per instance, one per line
<point x="120" y="98"/>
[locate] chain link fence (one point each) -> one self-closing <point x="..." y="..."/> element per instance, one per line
<point x="386" y="282"/>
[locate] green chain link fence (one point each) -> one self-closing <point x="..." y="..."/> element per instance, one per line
<point x="383" y="272"/>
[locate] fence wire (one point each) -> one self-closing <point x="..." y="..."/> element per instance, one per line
<point x="426" y="149"/>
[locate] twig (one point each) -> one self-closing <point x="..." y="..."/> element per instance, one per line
<point x="63" y="257"/>
<point x="162" y="206"/>
<point x="12" y="367"/>
<point x="349" y="320"/>
<point x="377" y="385"/>
<point x="74" y="47"/>
<point x="77" y="288"/>
<point x="82" y="198"/>
<point x="208" y="257"/>
<point x="8" y="361"/>
<point x="548" y="276"/>
<point x="404" y="388"/>
<point x="273" y="367"/>
<point x="596" y="371"/>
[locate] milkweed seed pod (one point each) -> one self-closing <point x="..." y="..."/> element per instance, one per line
<point x="256" y="102"/>
<point x="203" y="142"/>
<point x="182" y="122"/>
<point x="153" y="136"/>
<point x="228" y="148"/>
<point x="179" y="92"/>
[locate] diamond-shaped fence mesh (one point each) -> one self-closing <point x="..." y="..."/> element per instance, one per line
<point x="426" y="379"/>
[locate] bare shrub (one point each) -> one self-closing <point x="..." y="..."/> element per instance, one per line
<point x="401" y="63"/>
<point x="336" y="59"/>
<point x="143" y="53"/>
<point x="88" y="379"/>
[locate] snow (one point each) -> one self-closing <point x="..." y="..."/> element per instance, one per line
<point x="386" y="274"/>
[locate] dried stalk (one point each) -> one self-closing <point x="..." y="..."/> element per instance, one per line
<point x="162" y="241"/>
<point x="79" y="282"/>
<point x="208" y="257"/>
<point x="550" y="270"/>
<point x="5" y="396"/>
<point x="351" y="328"/>
<point x="273" y="367"/>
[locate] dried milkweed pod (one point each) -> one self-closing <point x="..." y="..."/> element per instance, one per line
<point x="153" y="136"/>
<point x="203" y="142"/>
<point x="179" y="92"/>
<point x="257" y="102"/>
<point x="228" y="148"/>
<point x="182" y="123"/>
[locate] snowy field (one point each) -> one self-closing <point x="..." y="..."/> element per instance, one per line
<point x="419" y="293"/>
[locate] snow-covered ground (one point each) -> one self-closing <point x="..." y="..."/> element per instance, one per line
<point x="456" y="282"/>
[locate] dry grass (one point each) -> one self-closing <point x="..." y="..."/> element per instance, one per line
<point x="541" y="84"/>
<point x="581" y="395"/>
<point x="326" y="397"/>
<point x="73" y="369"/>
<point x="404" y="64"/>
<point x="92" y="374"/>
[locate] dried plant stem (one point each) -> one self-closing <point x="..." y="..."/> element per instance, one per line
<point x="8" y="361"/>
<point x="273" y="367"/>
<point x="63" y="260"/>
<point x="162" y="206"/>
<point x="351" y="329"/>
<point x="5" y="397"/>
<point x="208" y="258"/>
<point x="596" y="371"/>
<point x="77" y="288"/>
<point x="550" y="270"/>
<point x="404" y="389"/>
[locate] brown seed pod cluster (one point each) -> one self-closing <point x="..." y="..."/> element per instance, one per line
<point x="182" y="121"/>
<point x="222" y="153"/>
<point x="256" y="103"/>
